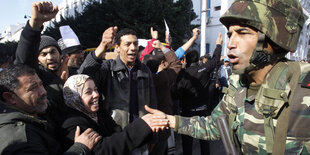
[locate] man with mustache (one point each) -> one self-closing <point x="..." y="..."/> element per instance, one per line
<point x="43" y="54"/>
<point x="267" y="101"/>
<point x="22" y="131"/>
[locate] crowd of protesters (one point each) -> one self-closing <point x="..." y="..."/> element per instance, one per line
<point x="56" y="100"/>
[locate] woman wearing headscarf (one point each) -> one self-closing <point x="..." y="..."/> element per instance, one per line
<point x="82" y="98"/>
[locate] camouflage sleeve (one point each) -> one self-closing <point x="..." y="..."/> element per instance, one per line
<point x="201" y="127"/>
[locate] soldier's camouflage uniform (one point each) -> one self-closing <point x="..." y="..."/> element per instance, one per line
<point x="249" y="123"/>
<point x="291" y="84"/>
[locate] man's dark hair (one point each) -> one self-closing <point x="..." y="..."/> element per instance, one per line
<point x="9" y="77"/>
<point x="119" y="34"/>
<point x="152" y="62"/>
<point x="192" y="57"/>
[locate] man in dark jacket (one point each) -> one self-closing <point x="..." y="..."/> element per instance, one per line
<point x="126" y="83"/>
<point x="165" y="67"/>
<point x="192" y="90"/>
<point x="23" y="97"/>
<point x="31" y="49"/>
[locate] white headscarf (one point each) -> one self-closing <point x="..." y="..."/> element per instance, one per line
<point x="72" y="90"/>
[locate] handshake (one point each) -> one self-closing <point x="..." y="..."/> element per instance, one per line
<point x="157" y="120"/>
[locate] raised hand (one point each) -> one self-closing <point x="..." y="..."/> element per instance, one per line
<point x="42" y="12"/>
<point x="89" y="137"/>
<point x="106" y="41"/>
<point x="157" y="44"/>
<point x="154" y="34"/>
<point x="219" y="40"/>
<point x="196" y="33"/>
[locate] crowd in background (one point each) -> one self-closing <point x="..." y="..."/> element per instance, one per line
<point x="58" y="99"/>
<point x="107" y="91"/>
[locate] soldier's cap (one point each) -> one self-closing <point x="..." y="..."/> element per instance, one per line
<point x="279" y="20"/>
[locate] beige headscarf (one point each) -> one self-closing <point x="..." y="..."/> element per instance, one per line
<point x="72" y="91"/>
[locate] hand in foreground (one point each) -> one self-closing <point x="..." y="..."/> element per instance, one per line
<point x="156" y="123"/>
<point x="160" y="114"/>
<point x="42" y="12"/>
<point x="106" y="41"/>
<point x="219" y="40"/>
<point x="157" y="44"/>
<point x="89" y="137"/>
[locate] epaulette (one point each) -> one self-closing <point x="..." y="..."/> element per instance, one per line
<point x="306" y="82"/>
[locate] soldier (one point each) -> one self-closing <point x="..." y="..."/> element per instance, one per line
<point x="268" y="98"/>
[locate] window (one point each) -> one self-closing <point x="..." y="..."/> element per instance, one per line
<point x="208" y="8"/>
<point x="207" y="48"/>
<point x="217" y="8"/>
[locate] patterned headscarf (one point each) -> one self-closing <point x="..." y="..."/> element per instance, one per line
<point x="72" y="91"/>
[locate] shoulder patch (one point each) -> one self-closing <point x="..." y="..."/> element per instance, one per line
<point x="306" y="82"/>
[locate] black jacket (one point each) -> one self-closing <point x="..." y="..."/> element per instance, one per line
<point x="27" y="135"/>
<point x="114" y="141"/>
<point x="192" y="82"/>
<point x="112" y="80"/>
<point x="27" y="53"/>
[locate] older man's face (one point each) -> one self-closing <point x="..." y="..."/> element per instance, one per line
<point x="31" y="96"/>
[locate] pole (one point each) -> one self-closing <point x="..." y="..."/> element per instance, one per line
<point x="203" y="28"/>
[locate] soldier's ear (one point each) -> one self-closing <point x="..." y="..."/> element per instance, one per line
<point x="9" y="97"/>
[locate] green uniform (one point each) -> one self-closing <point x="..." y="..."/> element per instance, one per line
<point x="248" y="124"/>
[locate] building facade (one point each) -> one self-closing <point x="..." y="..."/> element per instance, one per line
<point x="12" y="33"/>
<point x="214" y="10"/>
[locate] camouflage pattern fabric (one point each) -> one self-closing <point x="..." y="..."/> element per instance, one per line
<point x="279" y="20"/>
<point x="249" y="122"/>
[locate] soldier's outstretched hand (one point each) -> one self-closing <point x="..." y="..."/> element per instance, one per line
<point x="156" y="123"/>
<point x="157" y="115"/>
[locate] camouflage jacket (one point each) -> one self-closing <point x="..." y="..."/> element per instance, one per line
<point x="249" y="122"/>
